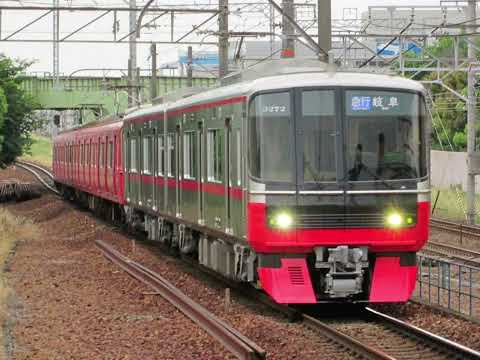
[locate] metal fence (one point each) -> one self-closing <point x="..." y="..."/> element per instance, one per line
<point x="450" y="285"/>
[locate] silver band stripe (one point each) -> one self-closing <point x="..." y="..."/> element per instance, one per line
<point x="340" y="192"/>
<point x="266" y="192"/>
<point x="418" y="191"/>
<point x="322" y="192"/>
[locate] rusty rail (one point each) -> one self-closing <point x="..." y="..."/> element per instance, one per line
<point x="466" y="256"/>
<point x="460" y="228"/>
<point x="28" y="167"/>
<point x="231" y="339"/>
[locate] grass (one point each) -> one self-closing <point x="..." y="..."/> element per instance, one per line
<point x="12" y="229"/>
<point x="451" y="204"/>
<point x="41" y="151"/>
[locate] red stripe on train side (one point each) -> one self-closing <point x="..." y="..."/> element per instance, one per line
<point x="158" y="116"/>
<point x="190" y="185"/>
<point x="234" y="100"/>
<point x="150" y="117"/>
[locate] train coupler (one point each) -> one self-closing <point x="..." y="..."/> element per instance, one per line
<point x="344" y="268"/>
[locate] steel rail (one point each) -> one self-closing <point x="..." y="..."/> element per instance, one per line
<point x="459" y="350"/>
<point x="467" y="256"/>
<point x="470" y="230"/>
<point x="345" y="340"/>
<point x="38" y="177"/>
<point x="356" y="346"/>
<point x="234" y="341"/>
<point x="42" y="169"/>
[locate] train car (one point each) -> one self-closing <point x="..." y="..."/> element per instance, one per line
<point x="88" y="164"/>
<point x="311" y="185"/>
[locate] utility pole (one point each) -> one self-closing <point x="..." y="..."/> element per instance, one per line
<point x="223" y="38"/>
<point x="190" y="67"/>
<point x="288" y="31"/>
<point x="153" y="78"/>
<point x="471" y="113"/>
<point x="132" y="62"/>
<point x="325" y="25"/>
<point x="56" y="44"/>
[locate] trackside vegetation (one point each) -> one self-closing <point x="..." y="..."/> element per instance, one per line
<point x="40" y="151"/>
<point x="16" y="110"/>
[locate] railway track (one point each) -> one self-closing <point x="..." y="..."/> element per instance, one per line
<point x="385" y="337"/>
<point x="459" y="228"/>
<point x="454" y="252"/>
<point x="461" y="255"/>
<point x="368" y="335"/>
<point x="235" y="342"/>
<point x="44" y="176"/>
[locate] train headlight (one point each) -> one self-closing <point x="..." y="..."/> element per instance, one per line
<point x="282" y="221"/>
<point x="395" y="220"/>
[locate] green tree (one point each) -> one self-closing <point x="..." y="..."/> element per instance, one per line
<point x="16" y="108"/>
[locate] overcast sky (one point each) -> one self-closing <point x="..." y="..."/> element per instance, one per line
<point x="78" y="56"/>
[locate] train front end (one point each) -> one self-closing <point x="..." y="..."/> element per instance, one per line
<point x="339" y="191"/>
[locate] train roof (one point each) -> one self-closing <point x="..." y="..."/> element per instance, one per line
<point x="285" y="81"/>
<point x="111" y="123"/>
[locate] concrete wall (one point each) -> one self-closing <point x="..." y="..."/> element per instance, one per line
<point x="449" y="169"/>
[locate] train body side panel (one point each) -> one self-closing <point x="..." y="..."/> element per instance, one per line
<point x="87" y="160"/>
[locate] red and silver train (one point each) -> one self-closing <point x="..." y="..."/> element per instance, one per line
<point x="313" y="186"/>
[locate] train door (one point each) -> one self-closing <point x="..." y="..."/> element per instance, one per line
<point x="160" y="166"/>
<point x="89" y="161"/>
<point x="81" y="173"/>
<point x="201" y="167"/>
<point x="114" y="165"/>
<point x="101" y="174"/>
<point x="172" y="165"/>
<point x="235" y="160"/>
<point x="78" y="178"/>
<point x="109" y="165"/>
<point x="105" y="164"/>
<point x="97" y="164"/>
<point x="67" y="162"/>
<point x="320" y="178"/>
<point x="119" y="167"/>
<point x="147" y="166"/>
<point x="214" y="188"/>
<point x="190" y="180"/>
<point x="70" y="162"/>
<point x="133" y="168"/>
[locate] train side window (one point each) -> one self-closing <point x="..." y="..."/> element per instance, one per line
<point x="110" y="154"/>
<point x="171" y="155"/>
<point x="147" y="155"/>
<point x="214" y="155"/>
<point x="133" y="155"/>
<point x="189" y="163"/>
<point x="102" y="155"/>
<point x="82" y="155"/>
<point x="161" y="155"/>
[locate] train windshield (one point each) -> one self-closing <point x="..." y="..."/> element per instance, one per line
<point x="317" y="125"/>
<point x="270" y="151"/>
<point x="383" y="135"/>
<point x="381" y="138"/>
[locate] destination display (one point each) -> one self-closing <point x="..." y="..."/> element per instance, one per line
<point x="388" y="103"/>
